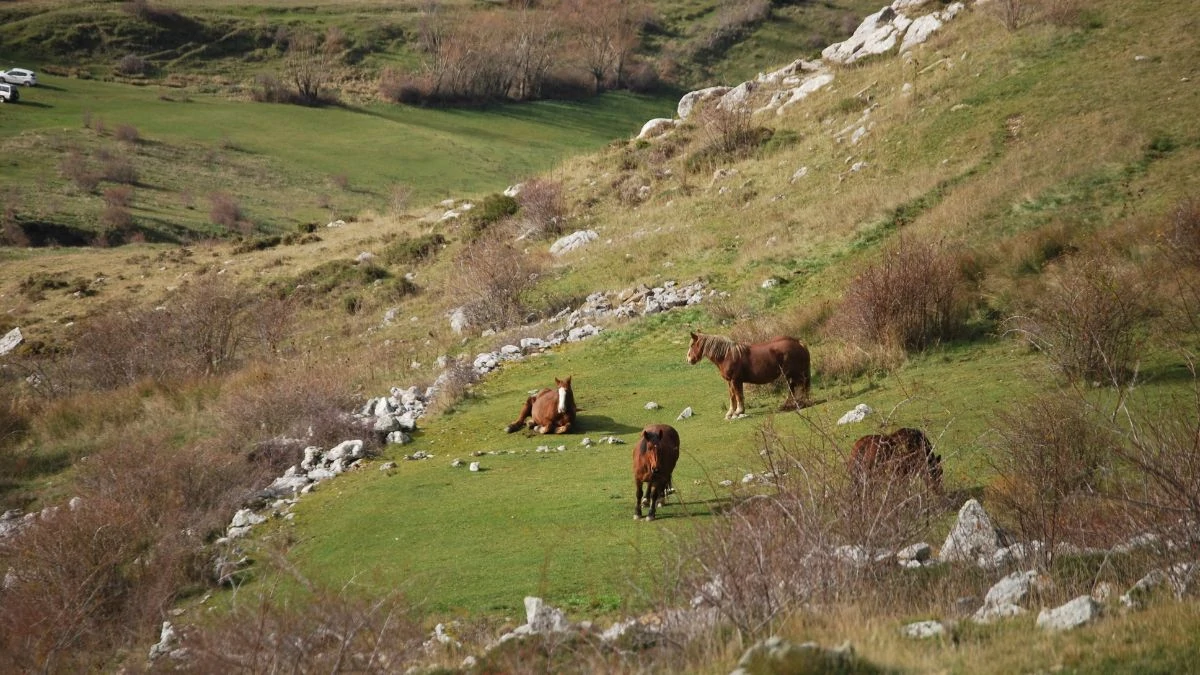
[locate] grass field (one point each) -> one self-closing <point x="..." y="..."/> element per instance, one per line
<point x="284" y="164"/>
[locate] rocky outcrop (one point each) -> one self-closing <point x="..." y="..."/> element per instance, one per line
<point x="1078" y="612"/>
<point x="973" y="537"/>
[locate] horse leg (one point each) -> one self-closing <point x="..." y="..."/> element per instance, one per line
<point x="563" y="424"/>
<point x="655" y="496"/>
<point x="526" y="410"/>
<point x="637" y="504"/>
<point x="741" y="398"/>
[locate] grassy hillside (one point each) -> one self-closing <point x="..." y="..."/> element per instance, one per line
<point x="1023" y="165"/>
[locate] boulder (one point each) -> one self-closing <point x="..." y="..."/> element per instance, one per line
<point x="656" y="127"/>
<point x="542" y="618"/>
<point x="10" y="340"/>
<point x="1004" y="599"/>
<point x="922" y="630"/>
<point x="1080" y="611"/>
<point x="915" y="552"/>
<point x="858" y="414"/>
<point x="574" y="241"/>
<point x="973" y="536"/>
<point x="692" y="98"/>
<point x="776" y="656"/>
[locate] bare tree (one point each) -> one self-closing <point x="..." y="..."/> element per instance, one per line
<point x="604" y="32"/>
<point x="307" y="66"/>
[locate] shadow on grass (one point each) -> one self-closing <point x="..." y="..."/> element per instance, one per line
<point x="600" y="424"/>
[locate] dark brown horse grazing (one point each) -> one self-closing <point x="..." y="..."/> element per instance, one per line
<point x="549" y="410"/>
<point x="654" y="459"/>
<point x="759" y="363"/>
<point x="904" y="452"/>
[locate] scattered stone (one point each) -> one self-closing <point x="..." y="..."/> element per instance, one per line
<point x="776" y="656"/>
<point x="858" y="414"/>
<point x="1004" y="599"/>
<point x="1080" y="611"/>
<point x="474" y="466"/>
<point x="973" y="536"/>
<point x="685" y="414"/>
<point x="542" y="618"/>
<point x="923" y="630"/>
<point x="651" y="405"/>
<point x="915" y="552"/>
<point x="573" y="241"/>
<point x="11" y="340"/>
<point x="387" y="466"/>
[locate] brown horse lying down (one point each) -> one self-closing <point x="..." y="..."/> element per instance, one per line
<point x="654" y="459"/>
<point x="760" y="363"/>
<point x="548" y="410"/>
<point x="904" y="452"/>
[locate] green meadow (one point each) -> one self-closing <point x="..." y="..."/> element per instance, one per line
<point x="286" y="164"/>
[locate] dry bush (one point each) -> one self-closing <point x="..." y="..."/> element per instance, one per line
<point x="912" y="298"/>
<point x="404" y="88"/>
<point x="224" y="210"/>
<point x="542" y="207"/>
<point x="841" y="362"/>
<point x="1159" y="493"/>
<point x="276" y="414"/>
<point x="89" y="580"/>
<point x="118" y="168"/>
<point x="131" y="64"/>
<point x="327" y="632"/>
<point x="1012" y="13"/>
<point x="76" y="168"/>
<point x="793" y="544"/>
<point x="1054" y="459"/>
<point x="268" y="88"/>
<point x="725" y="135"/>
<point x="126" y="133"/>
<point x="115" y="219"/>
<point x="1181" y="273"/>
<point x="490" y="278"/>
<point x="453" y="385"/>
<point x="1089" y="319"/>
<point x="1067" y="13"/>
<point x="209" y="328"/>
<point x="398" y="196"/>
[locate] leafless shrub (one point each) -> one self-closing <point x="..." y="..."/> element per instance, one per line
<point x="274" y="414"/>
<point x="330" y="632"/>
<point x="11" y="232"/>
<point x="341" y="181"/>
<point x="1088" y="319"/>
<point x="121" y="195"/>
<point x="76" y="168"/>
<point x="224" y="210"/>
<point x="1054" y="459"/>
<point x="404" y="87"/>
<point x="115" y="219"/>
<point x="726" y="134"/>
<point x="118" y="168"/>
<point x="131" y="64"/>
<point x="398" y="197"/>
<point x="268" y="88"/>
<point x="810" y="536"/>
<point x="912" y="298"/>
<point x="1180" y="276"/>
<point x="204" y="330"/>
<point x="1160" y="466"/>
<point x="86" y="578"/>
<point x="126" y="133"/>
<point x="453" y="385"/>
<point x="1066" y="13"/>
<point x="1012" y="13"/>
<point x="489" y="278"/>
<point x="542" y="206"/>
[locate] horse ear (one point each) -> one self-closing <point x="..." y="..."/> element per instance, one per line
<point x="692" y="333"/>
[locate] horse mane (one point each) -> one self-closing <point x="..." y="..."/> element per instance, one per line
<point x="720" y="347"/>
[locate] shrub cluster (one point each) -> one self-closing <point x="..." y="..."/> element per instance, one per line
<point x="912" y="298"/>
<point x="542" y="207"/>
<point x="1089" y="319"/>
<point x="489" y="279"/>
<point x="810" y="537"/>
<point x="209" y="328"/>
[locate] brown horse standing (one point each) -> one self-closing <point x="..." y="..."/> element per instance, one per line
<point x="548" y="410"/>
<point x="654" y="459"/>
<point x="904" y="452"/>
<point x="759" y="363"/>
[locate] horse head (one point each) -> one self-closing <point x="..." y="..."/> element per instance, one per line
<point x="566" y="398"/>
<point x="695" y="353"/>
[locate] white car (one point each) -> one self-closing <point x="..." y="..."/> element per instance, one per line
<point x="19" y="76"/>
<point x="9" y="93"/>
